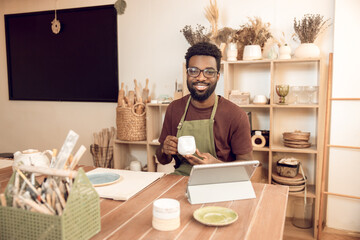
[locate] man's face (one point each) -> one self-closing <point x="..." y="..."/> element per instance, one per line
<point x="202" y="87"/>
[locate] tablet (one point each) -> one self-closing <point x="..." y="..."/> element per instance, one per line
<point x="221" y="182"/>
<point x="222" y="172"/>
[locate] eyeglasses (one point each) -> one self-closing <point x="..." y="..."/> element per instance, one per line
<point x="195" y="72"/>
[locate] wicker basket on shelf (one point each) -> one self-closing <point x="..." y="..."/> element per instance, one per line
<point x="131" y="126"/>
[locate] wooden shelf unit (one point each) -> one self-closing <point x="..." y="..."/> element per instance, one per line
<point x="154" y="121"/>
<point x="261" y="77"/>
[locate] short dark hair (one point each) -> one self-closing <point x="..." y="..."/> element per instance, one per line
<point x="205" y="49"/>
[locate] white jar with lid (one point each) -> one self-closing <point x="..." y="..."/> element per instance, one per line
<point x="166" y="214"/>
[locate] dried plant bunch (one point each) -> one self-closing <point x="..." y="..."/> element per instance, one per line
<point x="255" y="32"/>
<point x="309" y="27"/>
<point x="212" y="15"/>
<point x="224" y="35"/>
<point x="196" y="35"/>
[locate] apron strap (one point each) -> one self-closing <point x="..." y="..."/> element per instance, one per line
<point x="183" y="116"/>
<point x="214" y="108"/>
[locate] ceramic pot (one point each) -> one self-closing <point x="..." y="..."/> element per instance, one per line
<point x="307" y="50"/>
<point x="252" y="52"/>
<point x="32" y="157"/>
<point x="232" y="52"/>
<point x="284" y="52"/>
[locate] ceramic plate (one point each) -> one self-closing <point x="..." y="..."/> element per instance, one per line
<point x="103" y="178"/>
<point x="215" y="216"/>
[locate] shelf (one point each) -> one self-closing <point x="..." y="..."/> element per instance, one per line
<point x="261" y="149"/>
<point x="131" y="142"/>
<point x="292" y="232"/>
<point x="292" y="106"/>
<point x="154" y="143"/>
<point x="157" y="104"/>
<point x="255" y="106"/>
<point x="280" y="148"/>
<point x="249" y="62"/>
<point x="310" y="192"/>
<point x="294" y="60"/>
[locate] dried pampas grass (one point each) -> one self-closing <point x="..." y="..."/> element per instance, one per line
<point x="212" y="15"/>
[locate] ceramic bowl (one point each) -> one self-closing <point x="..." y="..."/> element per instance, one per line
<point x="260" y="99"/>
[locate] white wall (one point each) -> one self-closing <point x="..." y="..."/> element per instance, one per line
<point x="150" y="46"/>
<point x="344" y="164"/>
<point x="44" y="125"/>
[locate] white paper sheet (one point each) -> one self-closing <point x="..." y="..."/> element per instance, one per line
<point x="131" y="183"/>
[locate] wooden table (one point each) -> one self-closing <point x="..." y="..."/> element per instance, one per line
<point x="260" y="218"/>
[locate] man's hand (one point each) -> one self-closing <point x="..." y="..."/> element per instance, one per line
<point x="170" y="145"/>
<point x="206" y="158"/>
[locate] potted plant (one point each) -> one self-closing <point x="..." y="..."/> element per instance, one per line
<point x="307" y="30"/>
<point x="251" y="38"/>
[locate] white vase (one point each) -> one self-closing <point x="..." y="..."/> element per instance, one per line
<point x="307" y="50"/>
<point x="252" y="52"/>
<point x="284" y="52"/>
<point x="232" y="52"/>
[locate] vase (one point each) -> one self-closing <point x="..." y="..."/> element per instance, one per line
<point x="272" y="53"/>
<point x="232" y="52"/>
<point x="252" y="52"/>
<point x="284" y="52"/>
<point x="307" y="50"/>
<point x="222" y="49"/>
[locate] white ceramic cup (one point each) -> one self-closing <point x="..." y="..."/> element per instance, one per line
<point x="135" y="166"/>
<point x="186" y="145"/>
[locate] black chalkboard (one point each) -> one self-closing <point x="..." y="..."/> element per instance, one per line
<point x="78" y="64"/>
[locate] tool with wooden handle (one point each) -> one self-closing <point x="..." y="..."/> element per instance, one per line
<point x="138" y="108"/>
<point x="131" y="98"/>
<point x="145" y="93"/>
<point x="121" y="95"/>
<point x="137" y="91"/>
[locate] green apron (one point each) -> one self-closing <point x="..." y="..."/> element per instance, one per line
<point x="203" y="132"/>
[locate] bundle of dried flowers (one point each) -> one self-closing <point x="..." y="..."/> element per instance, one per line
<point x="255" y="32"/>
<point x="224" y="35"/>
<point x="212" y="15"/>
<point x="309" y="28"/>
<point x="195" y="36"/>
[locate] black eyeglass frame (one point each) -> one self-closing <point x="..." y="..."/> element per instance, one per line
<point x="203" y="71"/>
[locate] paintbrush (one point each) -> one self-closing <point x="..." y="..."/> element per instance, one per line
<point x="39" y="197"/>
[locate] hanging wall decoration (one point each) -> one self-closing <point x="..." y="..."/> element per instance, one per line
<point x="55" y="24"/>
<point x="120" y="6"/>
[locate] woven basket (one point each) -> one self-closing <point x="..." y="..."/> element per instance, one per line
<point x="130" y="125"/>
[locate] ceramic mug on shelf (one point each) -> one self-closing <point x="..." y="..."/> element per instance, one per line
<point x="186" y="145"/>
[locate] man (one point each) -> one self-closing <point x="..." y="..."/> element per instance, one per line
<point x="221" y="129"/>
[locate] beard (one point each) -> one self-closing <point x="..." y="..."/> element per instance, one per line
<point x="203" y="95"/>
